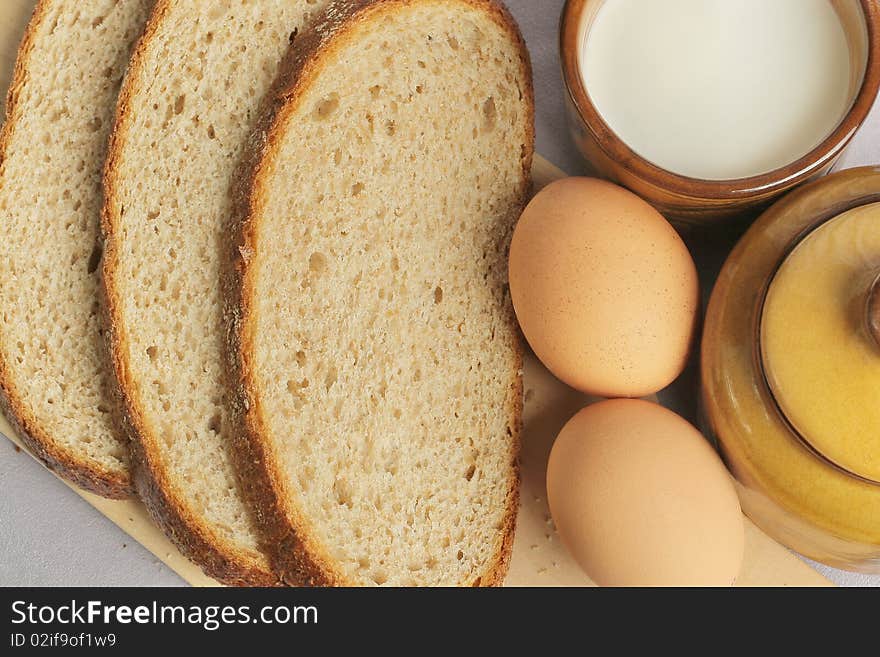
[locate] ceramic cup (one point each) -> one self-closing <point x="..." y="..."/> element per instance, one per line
<point x="694" y="201"/>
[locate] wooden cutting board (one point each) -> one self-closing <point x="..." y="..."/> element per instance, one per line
<point x="538" y="557"/>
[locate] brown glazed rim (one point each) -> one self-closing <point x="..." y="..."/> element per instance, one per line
<point x="765" y="184"/>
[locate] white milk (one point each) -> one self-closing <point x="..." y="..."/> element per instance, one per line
<point x="718" y="89"/>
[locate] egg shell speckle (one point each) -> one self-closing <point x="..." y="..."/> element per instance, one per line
<point x="604" y="288"/>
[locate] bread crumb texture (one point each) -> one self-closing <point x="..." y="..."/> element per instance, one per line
<point x="195" y="99"/>
<point x="384" y="351"/>
<point x="57" y="372"/>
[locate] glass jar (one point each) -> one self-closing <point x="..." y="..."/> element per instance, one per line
<point x="791" y="370"/>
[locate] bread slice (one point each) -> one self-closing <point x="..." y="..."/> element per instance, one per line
<point x="379" y="361"/>
<point x="55" y="375"/>
<point x="190" y="100"/>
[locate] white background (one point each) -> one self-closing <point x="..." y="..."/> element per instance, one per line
<point x="50" y="537"/>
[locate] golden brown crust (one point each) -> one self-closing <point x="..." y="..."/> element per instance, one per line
<point x="219" y="560"/>
<point x="295" y="557"/>
<point x="497" y="571"/>
<point x="82" y="472"/>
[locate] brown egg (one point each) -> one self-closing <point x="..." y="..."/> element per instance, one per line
<point x="640" y="498"/>
<point x="605" y="290"/>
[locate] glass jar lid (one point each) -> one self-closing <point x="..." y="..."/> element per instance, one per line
<point x="820" y="341"/>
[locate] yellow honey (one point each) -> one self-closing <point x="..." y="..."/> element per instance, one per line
<point x="821" y="361"/>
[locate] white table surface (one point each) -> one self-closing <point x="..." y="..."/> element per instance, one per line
<point x="51" y="537"/>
